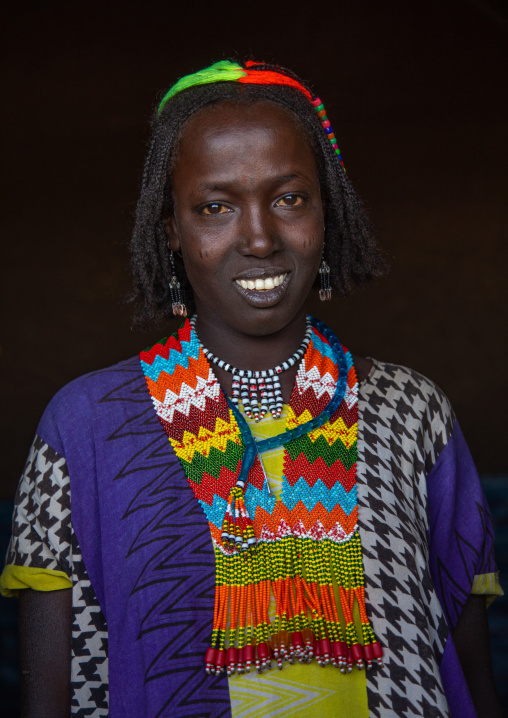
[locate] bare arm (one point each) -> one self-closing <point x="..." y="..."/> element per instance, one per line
<point x="471" y="639"/>
<point x="45" y="626"/>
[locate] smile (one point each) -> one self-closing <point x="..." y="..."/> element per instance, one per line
<point x="262" y="285"/>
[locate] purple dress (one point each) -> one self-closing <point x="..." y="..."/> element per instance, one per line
<point x="137" y="546"/>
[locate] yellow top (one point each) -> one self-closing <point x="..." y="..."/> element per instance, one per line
<point x="298" y="690"/>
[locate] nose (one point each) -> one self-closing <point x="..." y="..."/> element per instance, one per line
<point x="258" y="232"/>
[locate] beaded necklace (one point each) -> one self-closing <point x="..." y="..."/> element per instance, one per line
<point x="305" y="549"/>
<point x="260" y="391"/>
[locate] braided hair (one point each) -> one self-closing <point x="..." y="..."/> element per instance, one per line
<point x="349" y="248"/>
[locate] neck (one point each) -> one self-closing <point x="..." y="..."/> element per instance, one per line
<point x="256" y="352"/>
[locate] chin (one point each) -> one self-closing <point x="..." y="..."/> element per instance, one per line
<point x="269" y="320"/>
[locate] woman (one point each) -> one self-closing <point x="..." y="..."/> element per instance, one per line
<point x="224" y="513"/>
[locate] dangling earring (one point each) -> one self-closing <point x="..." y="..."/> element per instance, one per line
<point x="325" y="291"/>
<point x="177" y="303"/>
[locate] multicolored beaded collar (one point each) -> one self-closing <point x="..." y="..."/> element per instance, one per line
<point x="253" y="73"/>
<point x="303" y="550"/>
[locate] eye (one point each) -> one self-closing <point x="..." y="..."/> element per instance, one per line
<point x="215" y="208"/>
<point x="290" y="200"/>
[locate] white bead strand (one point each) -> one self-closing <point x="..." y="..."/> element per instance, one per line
<point x="259" y="391"/>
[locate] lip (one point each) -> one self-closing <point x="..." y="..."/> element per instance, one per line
<point x="261" y="273"/>
<point x="266" y="297"/>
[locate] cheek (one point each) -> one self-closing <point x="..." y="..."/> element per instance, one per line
<point x="196" y="251"/>
<point x="313" y="231"/>
<point x="204" y="258"/>
<point x="311" y="241"/>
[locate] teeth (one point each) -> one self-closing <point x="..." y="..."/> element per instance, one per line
<point x="261" y="285"/>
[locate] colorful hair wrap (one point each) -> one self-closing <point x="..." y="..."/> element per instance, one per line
<point x="251" y="74"/>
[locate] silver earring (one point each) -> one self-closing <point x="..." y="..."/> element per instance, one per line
<point x="177" y="304"/>
<point x="325" y="290"/>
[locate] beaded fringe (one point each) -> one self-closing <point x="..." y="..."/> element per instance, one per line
<point x="303" y="576"/>
<point x="310" y="566"/>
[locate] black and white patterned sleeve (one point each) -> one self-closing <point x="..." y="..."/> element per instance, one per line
<point x="39" y="553"/>
<point x="44" y="555"/>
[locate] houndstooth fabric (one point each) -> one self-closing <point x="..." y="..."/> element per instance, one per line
<point x="404" y="424"/>
<point x="41" y="530"/>
<point x="42" y="537"/>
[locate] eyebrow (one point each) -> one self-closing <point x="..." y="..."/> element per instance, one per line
<point x="224" y="186"/>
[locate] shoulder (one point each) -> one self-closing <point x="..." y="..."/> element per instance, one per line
<point x="395" y="383"/>
<point x="410" y="406"/>
<point x="75" y="405"/>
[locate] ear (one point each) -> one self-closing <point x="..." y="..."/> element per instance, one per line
<point x="171" y="229"/>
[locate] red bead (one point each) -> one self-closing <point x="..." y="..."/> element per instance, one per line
<point x="297" y="639"/>
<point x="357" y="653"/>
<point x="249" y="653"/>
<point x="210" y="656"/>
<point x="325" y="647"/>
<point x="220" y="659"/>
<point x="262" y="651"/>
<point x="368" y="653"/>
<point x="231" y="656"/>
<point x="339" y="649"/>
<point x="241" y="658"/>
<point x="377" y="650"/>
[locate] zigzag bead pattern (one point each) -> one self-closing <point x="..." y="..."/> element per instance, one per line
<point x="304" y="549"/>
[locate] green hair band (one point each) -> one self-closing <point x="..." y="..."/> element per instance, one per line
<point x="222" y="71"/>
<point x="256" y="74"/>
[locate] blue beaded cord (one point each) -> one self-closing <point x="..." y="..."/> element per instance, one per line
<point x="252" y="447"/>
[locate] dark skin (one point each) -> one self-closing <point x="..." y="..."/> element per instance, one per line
<point x="45" y="627"/>
<point x="247" y="205"/>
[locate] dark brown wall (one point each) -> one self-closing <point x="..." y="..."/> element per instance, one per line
<point x="416" y="94"/>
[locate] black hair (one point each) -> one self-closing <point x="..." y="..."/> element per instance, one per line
<point x="350" y="247"/>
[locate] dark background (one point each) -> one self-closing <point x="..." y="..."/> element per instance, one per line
<point x="416" y="93"/>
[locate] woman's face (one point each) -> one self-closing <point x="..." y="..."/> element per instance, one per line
<point x="248" y="215"/>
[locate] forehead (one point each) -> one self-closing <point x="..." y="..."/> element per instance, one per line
<point x="231" y="137"/>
